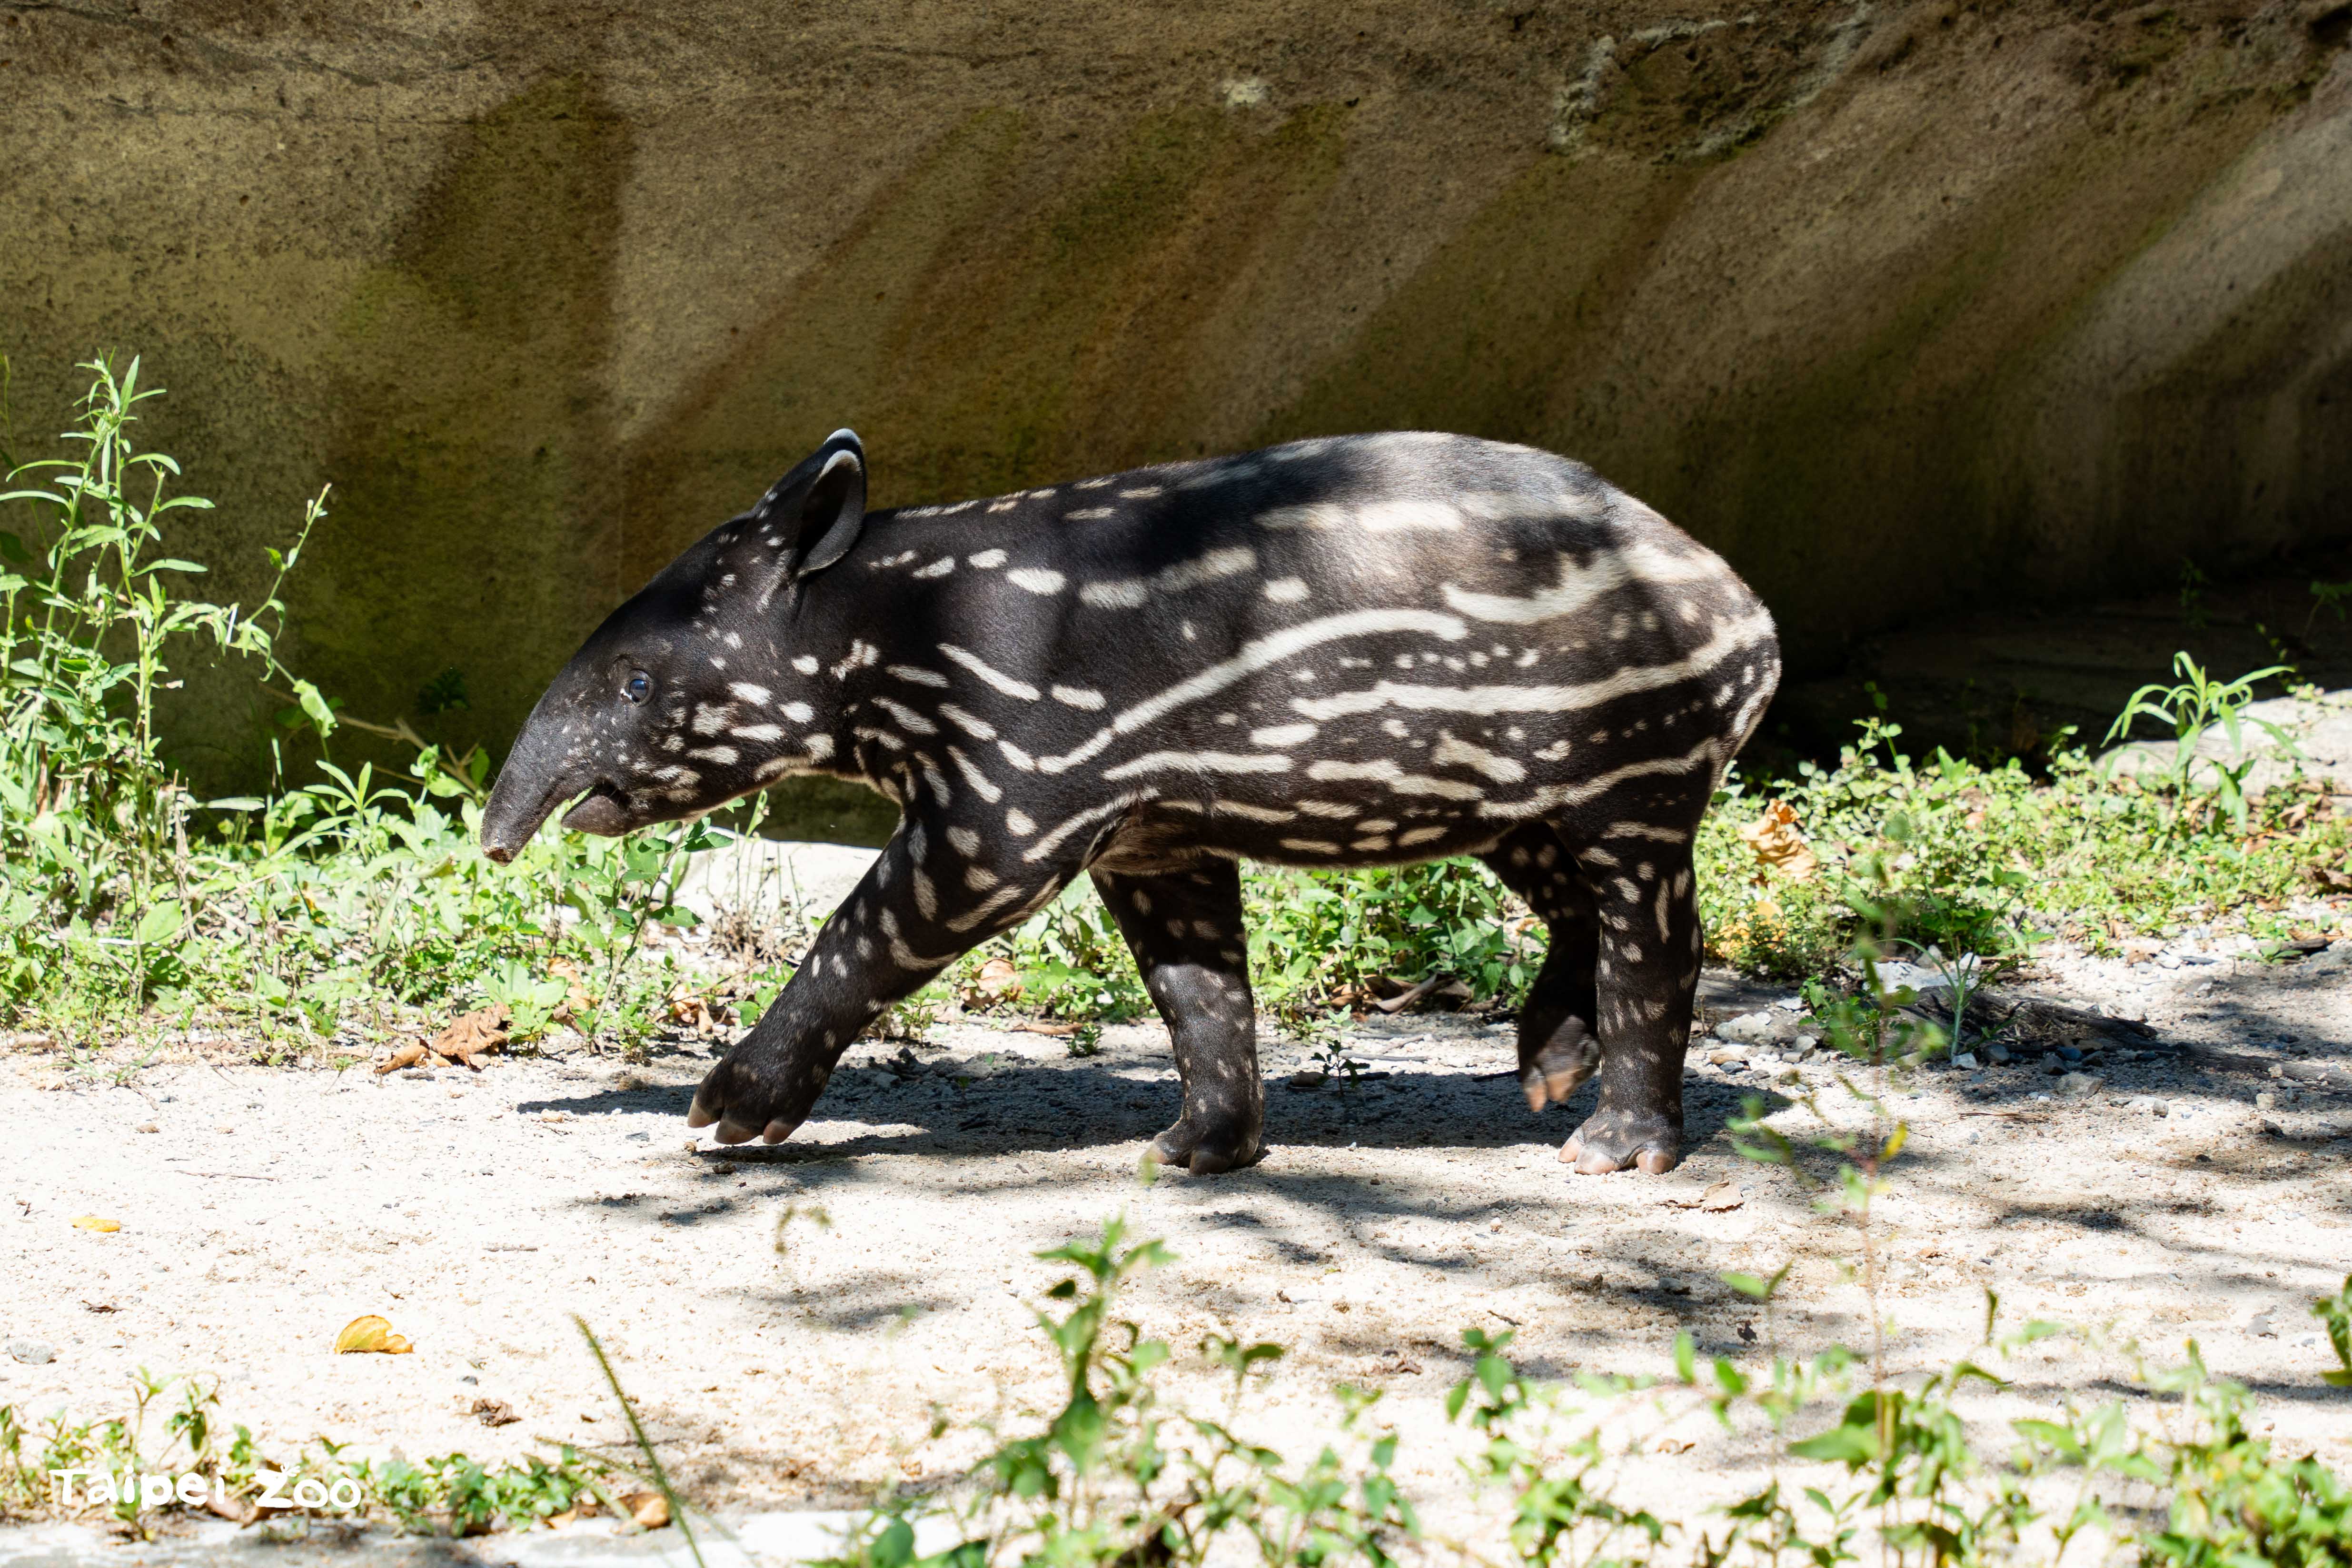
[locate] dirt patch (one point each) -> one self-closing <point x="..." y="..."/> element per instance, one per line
<point x="782" y="1356"/>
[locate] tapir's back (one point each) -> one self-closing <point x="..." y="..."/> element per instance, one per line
<point x="1443" y="619"/>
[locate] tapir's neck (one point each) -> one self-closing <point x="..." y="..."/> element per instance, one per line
<point x="835" y="638"/>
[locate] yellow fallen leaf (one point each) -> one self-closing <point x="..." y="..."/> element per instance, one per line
<point x="650" y="1510"/>
<point x="370" y="1333"/>
<point x="408" y="1056"/>
<point x="1778" y="844"/>
<point x="91" y="1222"/>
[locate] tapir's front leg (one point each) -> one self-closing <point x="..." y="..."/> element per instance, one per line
<point x="918" y="908"/>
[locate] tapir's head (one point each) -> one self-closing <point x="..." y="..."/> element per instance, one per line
<point x="691" y="694"/>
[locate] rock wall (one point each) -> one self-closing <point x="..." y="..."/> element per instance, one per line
<point x="1899" y="305"/>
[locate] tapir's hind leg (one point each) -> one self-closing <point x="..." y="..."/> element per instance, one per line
<point x="1185" y="928"/>
<point x="1559" y="1040"/>
<point x="1638" y="868"/>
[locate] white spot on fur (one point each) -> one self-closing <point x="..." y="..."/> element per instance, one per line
<point x="1199" y="762"/>
<point x="971" y="724"/>
<point x="1036" y="579"/>
<point x="905" y="718"/>
<point x="979" y="781"/>
<point x="993" y="677"/>
<point x="1451" y="752"/>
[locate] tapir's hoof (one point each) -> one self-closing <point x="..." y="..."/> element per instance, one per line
<point x="732" y="1095"/>
<point x="1205" y="1154"/>
<point x="1610" y="1140"/>
<point x="1558" y="1070"/>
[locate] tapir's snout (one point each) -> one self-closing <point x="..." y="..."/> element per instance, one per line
<point x="541" y="773"/>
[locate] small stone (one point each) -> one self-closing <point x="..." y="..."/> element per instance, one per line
<point x="2266" y="1101"/>
<point x="2000" y="1054"/>
<point x="149" y="1127"/>
<point x="2070" y="1053"/>
<point x="2075" y="1085"/>
<point x="32" y="1352"/>
<point x="1966" y="1061"/>
<point x="1308" y="1078"/>
<point x="1747" y="1028"/>
<point x="1727" y="1056"/>
<point x="1808" y="1042"/>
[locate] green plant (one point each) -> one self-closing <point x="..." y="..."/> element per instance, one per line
<point x="2333" y="596"/>
<point x="2194" y="706"/>
<point x="93" y="823"/>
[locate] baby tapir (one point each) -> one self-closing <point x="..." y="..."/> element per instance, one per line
<point x="1350" y="651"/>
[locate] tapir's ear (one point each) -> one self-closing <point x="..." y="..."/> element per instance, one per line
<point x="820" y="505"/>
<point x="835" y="508"/>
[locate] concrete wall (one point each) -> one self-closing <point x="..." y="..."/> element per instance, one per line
<point x="1897" y="305"/>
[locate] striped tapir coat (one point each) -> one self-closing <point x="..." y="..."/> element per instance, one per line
<point x="1341" y="652"/>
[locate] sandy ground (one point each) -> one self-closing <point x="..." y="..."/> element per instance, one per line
<point x="788" y="1359"/>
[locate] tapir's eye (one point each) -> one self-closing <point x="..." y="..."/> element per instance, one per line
<point x="638" y="686"/>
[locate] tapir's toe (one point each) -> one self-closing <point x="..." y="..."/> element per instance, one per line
<point x="1648" y="1141"/>
<point x="1186" y="1148"/>
<point x="1556" y="1070"/>
<point x="777" y="1132"/>
<point x="699" y="1114"/>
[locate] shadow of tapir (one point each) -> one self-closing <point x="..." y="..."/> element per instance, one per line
<point x="1359" y="650"/>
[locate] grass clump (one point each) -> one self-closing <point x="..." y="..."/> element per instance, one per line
<point x="1992" y="860"/>
<point x="64" y="1468"/>
<point x="1865" y="1465"/>
<point x="354" y="900"/>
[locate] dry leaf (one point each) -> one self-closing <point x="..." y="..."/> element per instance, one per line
<point x="577" y="1003"/>
<point x="494" y="1412"/>
<point x="1676" y="1445"/>
<point x="408" y="1056"/>
<point x="1778" y="845"/>
<point x="650" y="1510"/>
<point x="370" y="1333"/>
<point x="1719" y="1198"/>
<point x="2333" y="880"/>
<point x="91" y="1222"/>
<point x="998" y="980"/>
<point x="479" y="1032"/>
